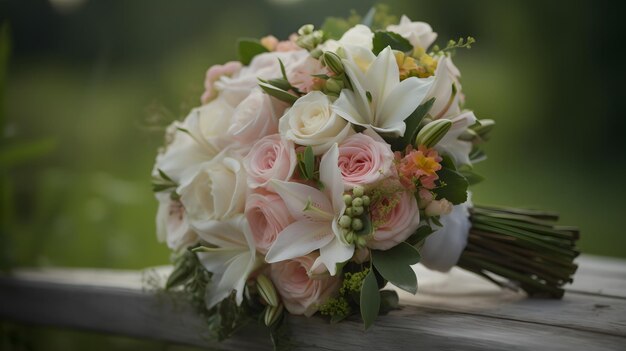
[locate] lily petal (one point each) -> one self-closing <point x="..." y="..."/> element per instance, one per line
<point x="332" y="254"/>
<point x="299" y="239"/>
<point x="225" y="233"/>
<point x="403" y="100"/>
<point x="304" y="202"/>
<point x="330" y="175"/>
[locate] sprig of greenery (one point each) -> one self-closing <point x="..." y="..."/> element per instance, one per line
<point x="452" y="45"/>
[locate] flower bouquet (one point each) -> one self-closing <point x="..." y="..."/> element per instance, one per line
<point x="320" y="168"/>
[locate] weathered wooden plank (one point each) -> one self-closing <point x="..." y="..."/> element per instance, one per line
<point x="453" y="311"/>
<point x="601" y="276"/>
<point x="462" y="291"/>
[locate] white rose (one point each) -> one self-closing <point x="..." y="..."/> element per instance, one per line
<point x="180" y="155"/>
<point x="265" y="66"/>
<point x="417" y="33"/>
<point x="442" y="249"/>
<point x="172" y="224"/>
<point x="312" y="122"/>
<point x="256" y="117"/>
<point x="217" y="191"/>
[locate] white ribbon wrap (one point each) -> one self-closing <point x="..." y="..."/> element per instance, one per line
<point x="443" y="248"/>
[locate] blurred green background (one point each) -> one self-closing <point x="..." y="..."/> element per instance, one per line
<point x="90" y="84"/>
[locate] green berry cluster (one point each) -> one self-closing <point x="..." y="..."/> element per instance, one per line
<point x="352" y="282"/>
<point x="351" y="222"/>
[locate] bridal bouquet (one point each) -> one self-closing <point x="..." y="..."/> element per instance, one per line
<point x="320" y="168"/>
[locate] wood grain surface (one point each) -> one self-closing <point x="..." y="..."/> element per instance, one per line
<point x="453" y="311"/>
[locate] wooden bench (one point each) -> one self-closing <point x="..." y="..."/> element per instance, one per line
<point x="451" y="311"/>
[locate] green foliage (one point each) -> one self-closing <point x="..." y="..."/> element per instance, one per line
<point x="471" y="176"/>
<point x="420" y="234"/>
<point x="337" y="308"/>
<point x="278" y="93"/>
<point x="395" y="265"/>
<point x="163" y="183"/>
<point x="452" y="45"/>
<point x="369" y="300"/>
<point x="412" y="126"/>
<point x="383" y="39"/>
<point x="247" y="49"/>
<point x="452" y="186"/>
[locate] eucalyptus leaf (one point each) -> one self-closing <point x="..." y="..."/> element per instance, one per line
<point x="395" y="265"/>
<point x="472" y="178"/>
<point x="420" y="234"/>
<point x="453" y="186"/>
<point x="248" y="49"/>
<point x="382" y="39"/>
<point x="370" y="299"/>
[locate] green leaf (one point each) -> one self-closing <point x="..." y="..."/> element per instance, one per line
<point x="278" y="93"/>
<point x="395" y="265"/>
<point x="383" y="39"/>
<point x="420" y="234"/>
<point x="165" y="176"/>
<point x="454" y="186"/>
<point x="369" y="300"/>
<point x="413" y="122"/>
<point x="309" y="162"/>
<point x="472" y="178"/>
<point x="248" y="49"/>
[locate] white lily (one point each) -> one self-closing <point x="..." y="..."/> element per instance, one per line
<point x="379" y="99"/>
<point x="231" y="261"/>
<point x="316" y="213"/>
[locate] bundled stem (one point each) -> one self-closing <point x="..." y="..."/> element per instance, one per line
<point x="517" y="248"/>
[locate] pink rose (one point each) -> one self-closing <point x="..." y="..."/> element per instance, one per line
<point x="363" y="160"/>
<point x="270" y="158"/>
<point x="300" y="293"/>
<point x="255" y="117"/>
<point x="267" y="216"/>
<point x="213" y="74"/>
<point x="264" y="66"/>
<point x="395" y="219"/>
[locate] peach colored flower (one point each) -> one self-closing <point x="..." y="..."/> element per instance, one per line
<point x="300" y="293"/>
<point x="395" y="218"/>
<point x="302" y="74"/>
<point x="364" y="160"/>
<point x="288" y="45"/>
<point x="267" y="215"/>
<point x="271" y="158"/>
<point x="418" y="166"/>
<point x="269" y="42"/>
<point x="213" y="74"/>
